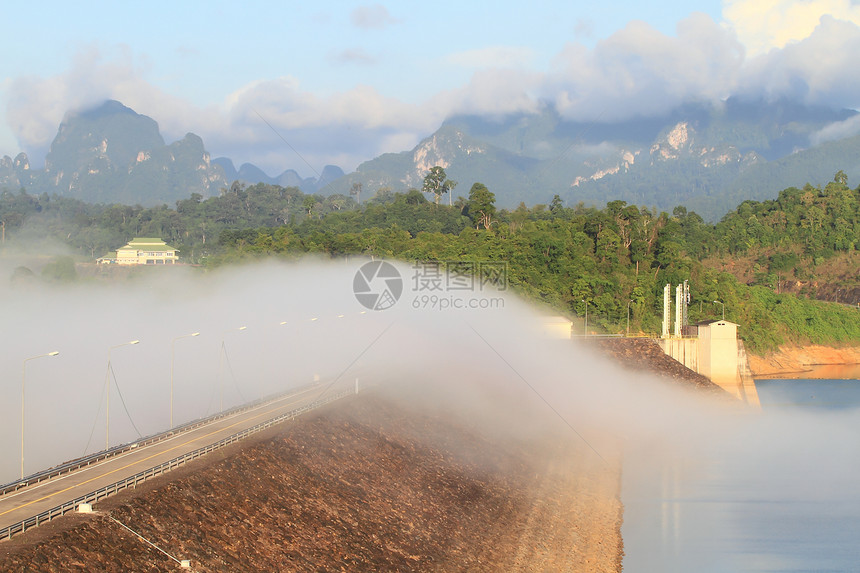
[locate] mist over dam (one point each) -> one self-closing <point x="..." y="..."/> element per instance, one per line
<point x="489" y="366"/>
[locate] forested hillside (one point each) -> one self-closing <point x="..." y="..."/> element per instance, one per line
<point x="568" y="257"/>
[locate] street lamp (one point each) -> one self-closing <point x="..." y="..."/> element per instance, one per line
<point x="586" y="316"/>
<point x="107" y="391"/>
<point x="724" y="308"/>
<point x="628" y="317"/>
<point x="172" y="360"/>
<point x="221" y="365"/>
<point x="23" y="382"/>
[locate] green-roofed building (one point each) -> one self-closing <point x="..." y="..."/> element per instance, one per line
<point x="142" y="251"/>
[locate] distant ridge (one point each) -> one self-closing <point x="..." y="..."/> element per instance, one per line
<point x="251" y="174"/>
<point x="708" y="157"/>
<point x="112" y="154"/>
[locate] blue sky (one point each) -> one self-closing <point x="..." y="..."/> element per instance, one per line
<point x="346" y="81"/>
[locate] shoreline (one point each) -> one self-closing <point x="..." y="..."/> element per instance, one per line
<point x="792" y="360"/>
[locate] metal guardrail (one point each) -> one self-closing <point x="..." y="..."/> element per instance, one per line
<point x="575" y="335"/>
<point x="140" y="477"/>
<point x="85" y="461"/>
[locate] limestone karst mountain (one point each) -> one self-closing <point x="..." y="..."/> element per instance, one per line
<point x="708" y="157"/>
<point x="112" y="154"/>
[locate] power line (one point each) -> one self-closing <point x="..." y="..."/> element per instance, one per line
<point x="538" y="394"/>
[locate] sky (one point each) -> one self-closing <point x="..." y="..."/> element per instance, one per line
<point x="292" y="85"/>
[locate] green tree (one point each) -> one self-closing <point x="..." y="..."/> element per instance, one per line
<point x="356" y="190"/>
<point x="23" y="276"/>
<point x="414" y="197"/>
<point x="60" y="269"/>
<point x="383" y="196"/>
<point x="308" y="204"/>
<point x="437" y="183"/>
<point x="481" y="207"/>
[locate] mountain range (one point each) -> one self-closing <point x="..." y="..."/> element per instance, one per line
<point x="708" y="157"/>
<point x="112" y="154"/>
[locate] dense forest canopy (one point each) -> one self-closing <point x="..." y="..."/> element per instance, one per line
<point x="609" y="260"/>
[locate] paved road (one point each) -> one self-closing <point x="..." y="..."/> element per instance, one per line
<point x="32" y="500"/>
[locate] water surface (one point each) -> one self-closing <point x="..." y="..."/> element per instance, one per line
<point x="772" y="492"/>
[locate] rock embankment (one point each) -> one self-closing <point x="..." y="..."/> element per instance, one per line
<point x="363" y="485"/>
<point x="645" y="355"/>
<point x="367" y="484"/>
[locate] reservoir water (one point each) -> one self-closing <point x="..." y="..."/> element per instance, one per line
<point x="824" y="387"/>
<point x="777" y="491"/>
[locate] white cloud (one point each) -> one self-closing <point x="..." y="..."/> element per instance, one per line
<point x="820" y="69"/>
<point x="602" y="149"/>
<point x="352" y="56"/>
<point x="283" y="102"/>
<point x="346" y="128"/>
<point x="36" y="106"/>
<point x="584" y="28"/>
<point x="492" y="92"/>
<point x="374" y="16"/>
<point x="837" y="130"/>
<point x="639" y="71"/>
<point x="762" y="25"/>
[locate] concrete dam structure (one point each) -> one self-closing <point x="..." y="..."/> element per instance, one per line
<point x="710" y="348"/>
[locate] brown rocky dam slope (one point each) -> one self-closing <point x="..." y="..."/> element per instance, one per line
<point x="363" y="485"/>
<point x="369" y="483"/>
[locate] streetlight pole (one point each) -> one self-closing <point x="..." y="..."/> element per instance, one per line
<point x="172" y="360"/>
<point x="23" y="382"/>
<point x="107" y="389"/>
<point x="724" y="308"/>
<point x="628" y="317"/>
<point x="586" y="316"/>
<point x="221" y="363"/>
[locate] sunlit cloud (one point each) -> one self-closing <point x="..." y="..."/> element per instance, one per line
<point x="816" y="70"/>
<point x="762" y="25"/>
<point x="636" y="72"/>
<point x="639" y="71"/>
